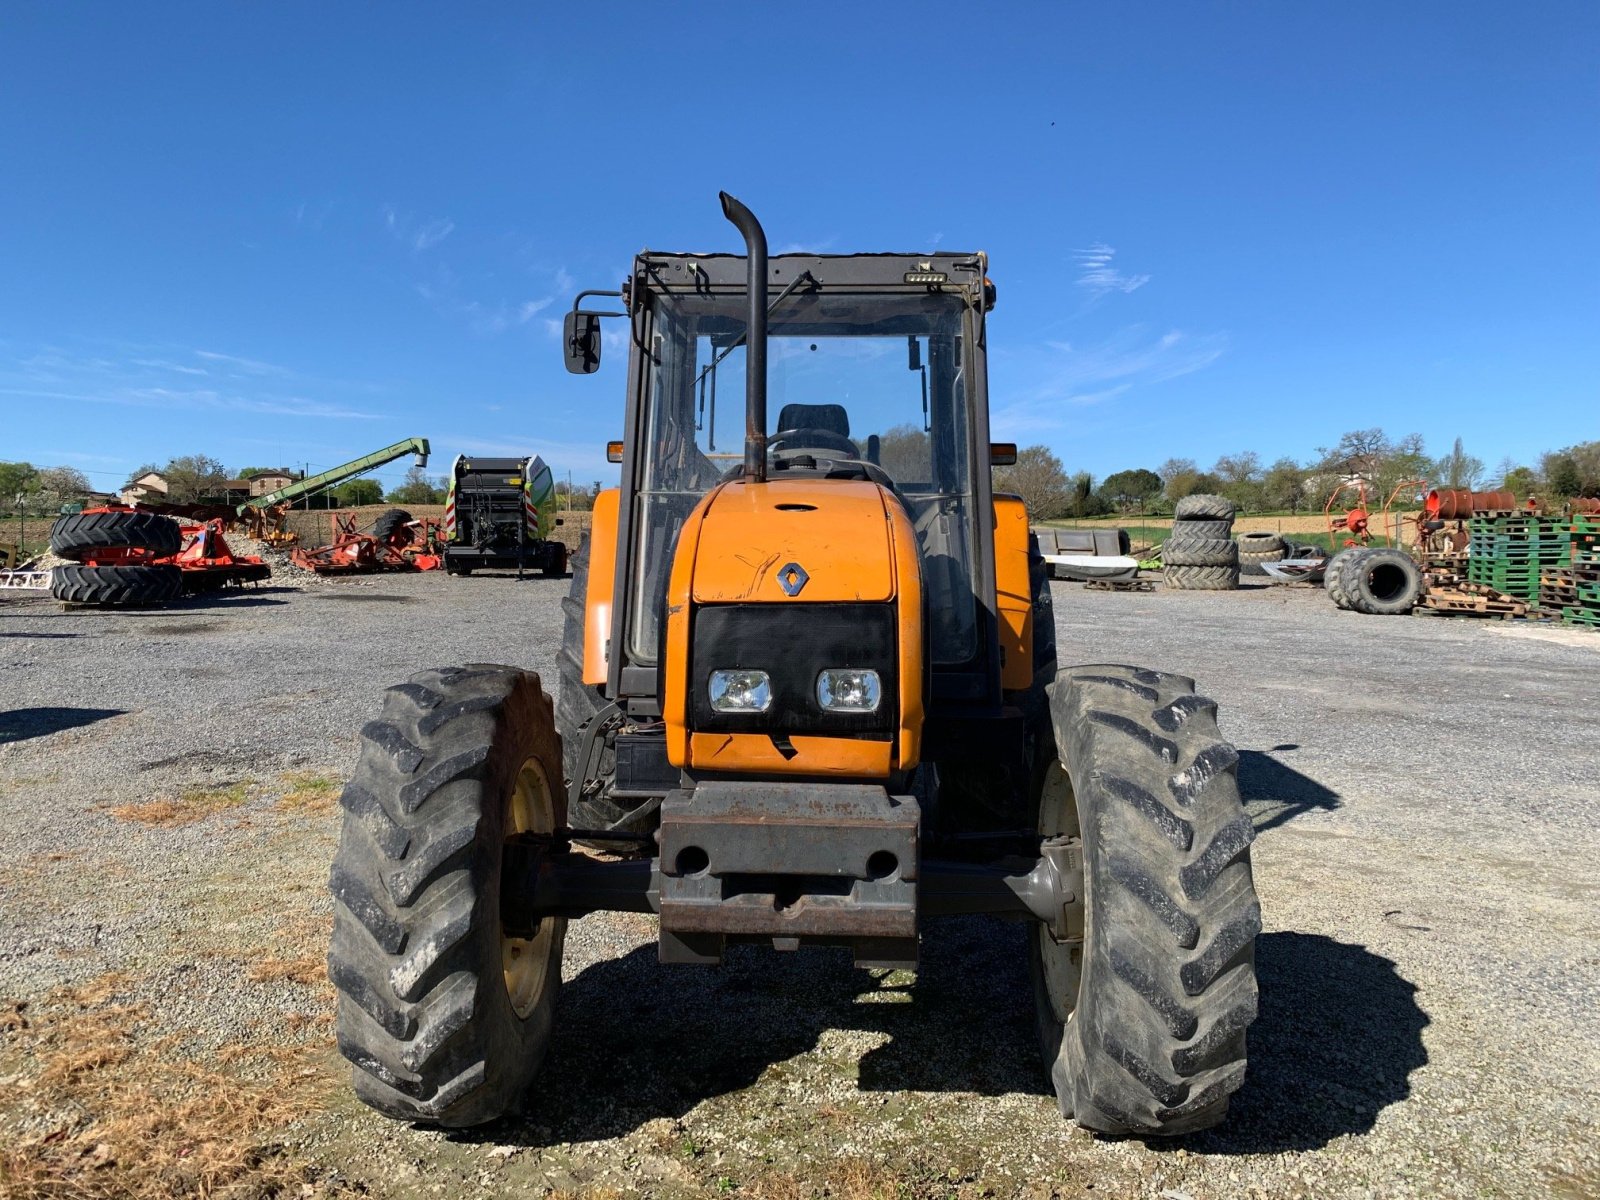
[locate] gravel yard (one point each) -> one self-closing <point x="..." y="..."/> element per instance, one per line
<point x="1430" y="970"/>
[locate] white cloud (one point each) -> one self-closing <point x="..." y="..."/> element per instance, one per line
<point x="419" y="234"/>
<point x="431" y="234"/>
<point x="1100" y="277"/>
<point x="1073" y="376"/>
<point x="486" y="320"/>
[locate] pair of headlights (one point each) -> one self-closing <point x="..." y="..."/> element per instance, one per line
<point x="839" y="689"/>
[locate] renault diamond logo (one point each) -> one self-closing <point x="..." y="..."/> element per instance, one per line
<point x="792" y="578"/>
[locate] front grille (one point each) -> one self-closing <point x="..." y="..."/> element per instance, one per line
<point x="793" y="643"/>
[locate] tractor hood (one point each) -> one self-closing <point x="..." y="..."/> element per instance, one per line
<point x="796" y="540"/>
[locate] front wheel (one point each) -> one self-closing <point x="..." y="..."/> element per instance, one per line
<point x="1142" y="1021"/>
<point x="444" y="1018"/>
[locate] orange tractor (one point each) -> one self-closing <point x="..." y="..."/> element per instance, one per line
<point x="808" y="696"/>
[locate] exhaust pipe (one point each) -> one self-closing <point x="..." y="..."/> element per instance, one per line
<point x="755" y="339"/>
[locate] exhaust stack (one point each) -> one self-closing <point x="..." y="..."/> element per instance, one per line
<point x="755" y="339"/>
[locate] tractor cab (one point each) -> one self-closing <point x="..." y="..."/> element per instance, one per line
<point x="874" y="373"/>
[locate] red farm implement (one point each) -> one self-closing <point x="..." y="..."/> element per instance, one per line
<point x="127" y="556"/>
<point x="392" y="546"/>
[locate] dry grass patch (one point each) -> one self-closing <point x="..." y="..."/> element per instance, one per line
<point x="310" y="793"/>
<point x="128" y="1118"/>
<point x="194" y="804"/>
<point x="308" y="969"/>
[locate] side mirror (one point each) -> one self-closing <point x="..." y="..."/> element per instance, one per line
<point x="581" y="340"/>
<point x="1002" y="454"/>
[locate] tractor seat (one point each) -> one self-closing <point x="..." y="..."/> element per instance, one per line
<point x="831" y="418"/>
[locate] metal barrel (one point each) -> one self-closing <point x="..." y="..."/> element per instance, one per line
<point x="1457" y="504"/>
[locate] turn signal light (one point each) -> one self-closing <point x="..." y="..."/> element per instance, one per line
<point x="614" y="452"/>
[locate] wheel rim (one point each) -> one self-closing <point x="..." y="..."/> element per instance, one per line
<point x="1061" y="962"/>
<point x="526" y="961"/>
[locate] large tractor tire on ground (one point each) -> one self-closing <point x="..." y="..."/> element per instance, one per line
<point x="444" y="1018"/>
<point x="78" y="535"/>
<point x="1180" y="551"/>
<point x="1201" y="579"/>
<point x="1142" y="1022"/>
<point x="1199" y="528"/>
<point x="394" y="526"/>
<point x="1205" y="507"/>
<point x="1384" y="583"/>
<point x="1259" y="543"/>
<point x="579" y="705"/>
<point x="1250" y="561"/>
<point x="1332" y="572"/>
<point x="123" y="587"/>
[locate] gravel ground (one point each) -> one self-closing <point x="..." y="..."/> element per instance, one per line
<point x="1423" y="790"/>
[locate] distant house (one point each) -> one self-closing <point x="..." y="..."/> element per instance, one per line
<point x="259" y="484"/>
<point x="152" y="485"/>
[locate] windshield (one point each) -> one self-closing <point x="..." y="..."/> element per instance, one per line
<point x="869" y="379"/>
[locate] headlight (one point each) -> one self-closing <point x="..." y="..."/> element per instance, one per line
<point x="740" y="691"/>
<point x="849" y="690"/>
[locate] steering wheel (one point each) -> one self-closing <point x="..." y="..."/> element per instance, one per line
<point x="812" y="439"/>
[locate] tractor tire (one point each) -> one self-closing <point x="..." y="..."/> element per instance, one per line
<point x="122" y="587"/>
<point x="1259" y="543"/>
<point x="555" y="565"/>
<point x="1200" y="528"/>
<point x="1207" y="507"/>
<point x="443" y="1018"/>
<point x="1384" y="583"/>
<point x="1201" y="579"/>
<point x="77" y="536"/>
<point x="1250" y="563"/>
<point x="1181" y="551"/>
<point x="1333" y="581"/>
<point x="577" y="706"/>
<point x="1349" y="567"/>
<point x="1142" y="1023"/>
<point x="394" y="526"/>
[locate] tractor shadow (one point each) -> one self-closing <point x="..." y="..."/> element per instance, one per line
<point x="20" y="724"/>
<point x="1337" y="1039"/>
<point x="1276" y="793"/>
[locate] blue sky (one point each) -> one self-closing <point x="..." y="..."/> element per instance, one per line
<point x="295" y="233"/>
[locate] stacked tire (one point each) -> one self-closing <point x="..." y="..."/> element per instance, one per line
<point x="1201" y="555"/>
<point x="87" y="538"/>
<point x="1379" y="582"/>
<point x="1258" y="548"/>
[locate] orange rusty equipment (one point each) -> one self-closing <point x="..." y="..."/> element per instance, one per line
<point x="350" y="552"/>
<point x="1355" y="524"/>
<point x="1457" y="504"/>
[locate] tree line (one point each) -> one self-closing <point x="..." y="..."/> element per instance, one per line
<point x="1050" y="491"/>
<point x="200" y="479"/>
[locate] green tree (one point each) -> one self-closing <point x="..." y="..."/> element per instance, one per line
<point x="17" y="478"/>
<point x="1561" y="474"/>
<point x="1178" y="476"/>
<point x="418" y="488"/>
<point x="1523" y="481"/>
<point x="1039" y="478"/>
<point x="1130" y="489"/>
<point x="1284" y="485"/>
<point x="1241" y="478"/>
<point x="1082" y="499"/>
<point x="358" y="492"/>
<point x="193" y="477"/>
<point x="1458" y="469"/>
